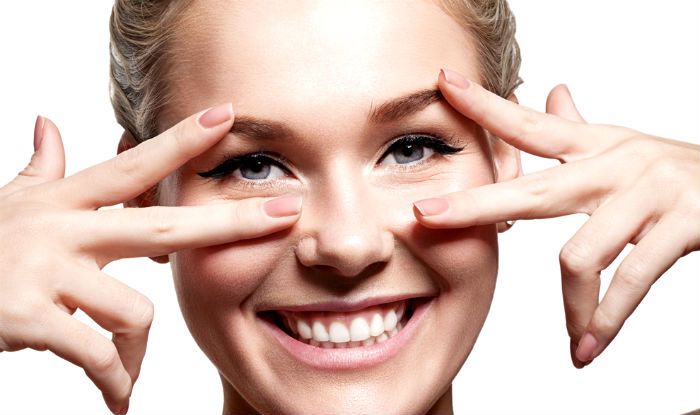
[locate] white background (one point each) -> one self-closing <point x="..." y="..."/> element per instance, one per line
<point x="632" y="63"/>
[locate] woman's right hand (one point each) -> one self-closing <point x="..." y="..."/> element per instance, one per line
<point x="54" y="243"/>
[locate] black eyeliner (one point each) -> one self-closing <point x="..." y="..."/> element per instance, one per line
<point x="428" y="140"/>
<point x="230" y="164"/>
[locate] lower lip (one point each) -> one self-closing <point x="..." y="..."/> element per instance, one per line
<point x="352" y="357"/>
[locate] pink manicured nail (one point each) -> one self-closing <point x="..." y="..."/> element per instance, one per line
<point x="434" y="206"/>
<point x="453" y="78"/>
<point x="216" y="115"/>
<point x="283" y="206"/>
<point x="38" y="131"/>
<point x="586" y="348"/>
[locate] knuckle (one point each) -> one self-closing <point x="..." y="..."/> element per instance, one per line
<point x="630" y="274"/>
<point x="632" y="144"/>
<point x="127" y="164"/>
<point x="538" y="187"/>
<point x="665" y="170"/>
<point x="21" y="314"/>
<point x="161" y="222"/>
<point x="603" y="322"/>
<point x="531" y="123"/>
<point x="573" y="258"/>
<point x="180" y="135"/>
<point x="142" y="310"/>
<point x="103" y="357"/>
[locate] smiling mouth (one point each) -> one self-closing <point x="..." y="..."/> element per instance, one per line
<point x="337" y="330"/>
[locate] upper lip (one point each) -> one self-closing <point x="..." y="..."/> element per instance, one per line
<point x="347" y="306"/>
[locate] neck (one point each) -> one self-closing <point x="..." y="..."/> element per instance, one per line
<point x="234" y="403"/>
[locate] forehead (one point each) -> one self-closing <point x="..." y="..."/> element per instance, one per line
<point x="298" y="60"/>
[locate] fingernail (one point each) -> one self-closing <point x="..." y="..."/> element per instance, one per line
<point x="433" y="206"/>
<point x="586" y="347"/>
<point x="38" y="131"/>
<point x="282" y="206"/>
<point x="216" y="115"/>
<point x="453" y="78"/>
<point x="572" y="349"/>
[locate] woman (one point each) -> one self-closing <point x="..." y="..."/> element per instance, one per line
<point x="349" y="243"/>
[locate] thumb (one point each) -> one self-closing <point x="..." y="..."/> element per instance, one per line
<point x="48" y="161"/>
<point x="560" y="103"/>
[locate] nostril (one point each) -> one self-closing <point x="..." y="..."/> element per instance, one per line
<point x="346" y="255"/>
<point x="350" y="274"/>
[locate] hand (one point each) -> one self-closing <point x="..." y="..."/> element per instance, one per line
<point x="55" y="242"/>
<point x="636" y="188"/>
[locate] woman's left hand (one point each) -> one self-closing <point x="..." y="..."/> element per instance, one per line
<point x="637" y="189"/>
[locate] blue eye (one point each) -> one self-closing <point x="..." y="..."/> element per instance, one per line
<point x="255" y="166"/>
<point x="415" y="147"/>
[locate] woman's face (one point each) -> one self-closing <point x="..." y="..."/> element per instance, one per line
<point x="327" y="78"/>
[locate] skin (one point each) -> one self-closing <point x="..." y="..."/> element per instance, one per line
<point x="357" y="236"/>
<point x="382" y="236"/>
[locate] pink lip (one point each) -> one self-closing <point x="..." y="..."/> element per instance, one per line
<point x="349" y="358"/>
<point x="346" y="307"/>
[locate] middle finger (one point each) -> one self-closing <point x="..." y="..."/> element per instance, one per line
<point x="138" y="169"/>
<point x="161" y="230"/>
<point x="562" y="190"/>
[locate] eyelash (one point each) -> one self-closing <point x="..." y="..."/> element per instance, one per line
<point x="436" y="143"/>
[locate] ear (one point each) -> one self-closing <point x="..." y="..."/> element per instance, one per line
<point x="145" y="199"/>
<point x="507" y="164"/>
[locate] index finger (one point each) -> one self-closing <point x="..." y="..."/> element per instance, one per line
<point x="537" y="133"/>
<point x="550" y="193"/>
<point x="139" y="168"/>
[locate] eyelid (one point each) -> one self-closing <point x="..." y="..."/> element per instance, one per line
<point x="448" y="144"/>
<point x="232" y="163"/>
<point x="442" y="143"/>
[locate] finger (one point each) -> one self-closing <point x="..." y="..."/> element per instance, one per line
<point x="545" y="135"/>
<point x="116" y="307"/>
<point x="561" y="104"/>
<point x="592" y="249"/>
<point x="47" y="162"/>
<point x="79" y="344"/>
<point x="161" y="230"/>
<point x="138" y="169"/>
<point x="558" y="191"/>
<point x="652" y="256"/>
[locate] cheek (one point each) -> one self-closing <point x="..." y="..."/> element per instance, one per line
<point x="461" y="258"/>
<point x="215" y="281"/>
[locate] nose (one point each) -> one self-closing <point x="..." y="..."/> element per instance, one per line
<point x="344" y="228"/>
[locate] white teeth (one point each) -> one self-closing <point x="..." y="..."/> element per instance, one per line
<point x="362" y="330"/>
<point x="359" y="329"/>
<point x="303" y="329"/>
<point x="390" y="320"/>
<point x="319" y="332"/>
<point x="339" y="333"/>
<point x="377" y="326"/>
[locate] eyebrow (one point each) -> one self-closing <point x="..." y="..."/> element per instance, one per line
<point x="390" y="111"/>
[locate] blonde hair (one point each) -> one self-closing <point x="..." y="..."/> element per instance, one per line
<point x="141" y="32"/>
